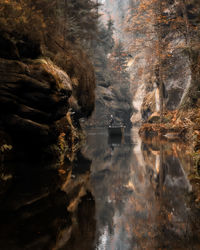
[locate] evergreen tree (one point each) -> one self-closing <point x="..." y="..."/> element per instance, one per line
<point x="81" y="19"/>
<point x="74" y="20"/>
<point x="118" y="61"/>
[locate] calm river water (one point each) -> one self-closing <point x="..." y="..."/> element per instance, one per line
<point x="142" y="194"/>
<point x="120" y="194"/>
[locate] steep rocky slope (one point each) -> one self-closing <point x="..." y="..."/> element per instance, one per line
<point x="139" y="34"/>
<point x="40" y="103"/>
<point x="47" y="84"/>
<point x="112" y="100"/>
<point x="112" y="80"/>
<point x="44" y="179"/>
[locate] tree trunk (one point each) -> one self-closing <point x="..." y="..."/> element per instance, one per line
<point x="158" y="12"/>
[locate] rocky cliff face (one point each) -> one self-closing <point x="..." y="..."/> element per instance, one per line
<point x="137" y="64"/>
<point x="40" y="103"/>
<point x="44" y="179"/>
<point x="112" y="89"/>
<point x="112" y="100"/>
<point x="177" y="72"/>
<point x="179" y="58"/>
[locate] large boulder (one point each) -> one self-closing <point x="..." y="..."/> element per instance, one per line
<point x="113" y="100"/>
<point x="33" y="96"/>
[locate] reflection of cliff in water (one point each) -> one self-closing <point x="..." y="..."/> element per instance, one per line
<point x="164" y="218"/>
<point x="110" y="174"/>
<point x="133" y="195"/>
<point x="142" y="194"/>
<point x="41" y="207"/>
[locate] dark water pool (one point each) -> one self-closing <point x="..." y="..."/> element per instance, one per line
<point x="118" y="194"/>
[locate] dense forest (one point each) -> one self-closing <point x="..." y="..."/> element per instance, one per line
<point x="72" y="73"/>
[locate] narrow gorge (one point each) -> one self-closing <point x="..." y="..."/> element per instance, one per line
<point x="100" y="124"/>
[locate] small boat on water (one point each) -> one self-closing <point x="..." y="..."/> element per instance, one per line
<point x="116" y="131"/>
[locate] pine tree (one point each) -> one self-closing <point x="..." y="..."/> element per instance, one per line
<point x="118" y="61"/>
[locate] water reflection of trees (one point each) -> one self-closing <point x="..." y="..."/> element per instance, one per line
<point x="167" y="166"/>
<point x="110" y="175"/>
<point x="141" y="194"/>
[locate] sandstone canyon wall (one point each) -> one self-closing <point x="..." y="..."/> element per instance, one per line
<point x="140" y="35"/>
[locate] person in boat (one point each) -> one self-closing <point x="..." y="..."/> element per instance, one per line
<point x="111" y="121"/>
